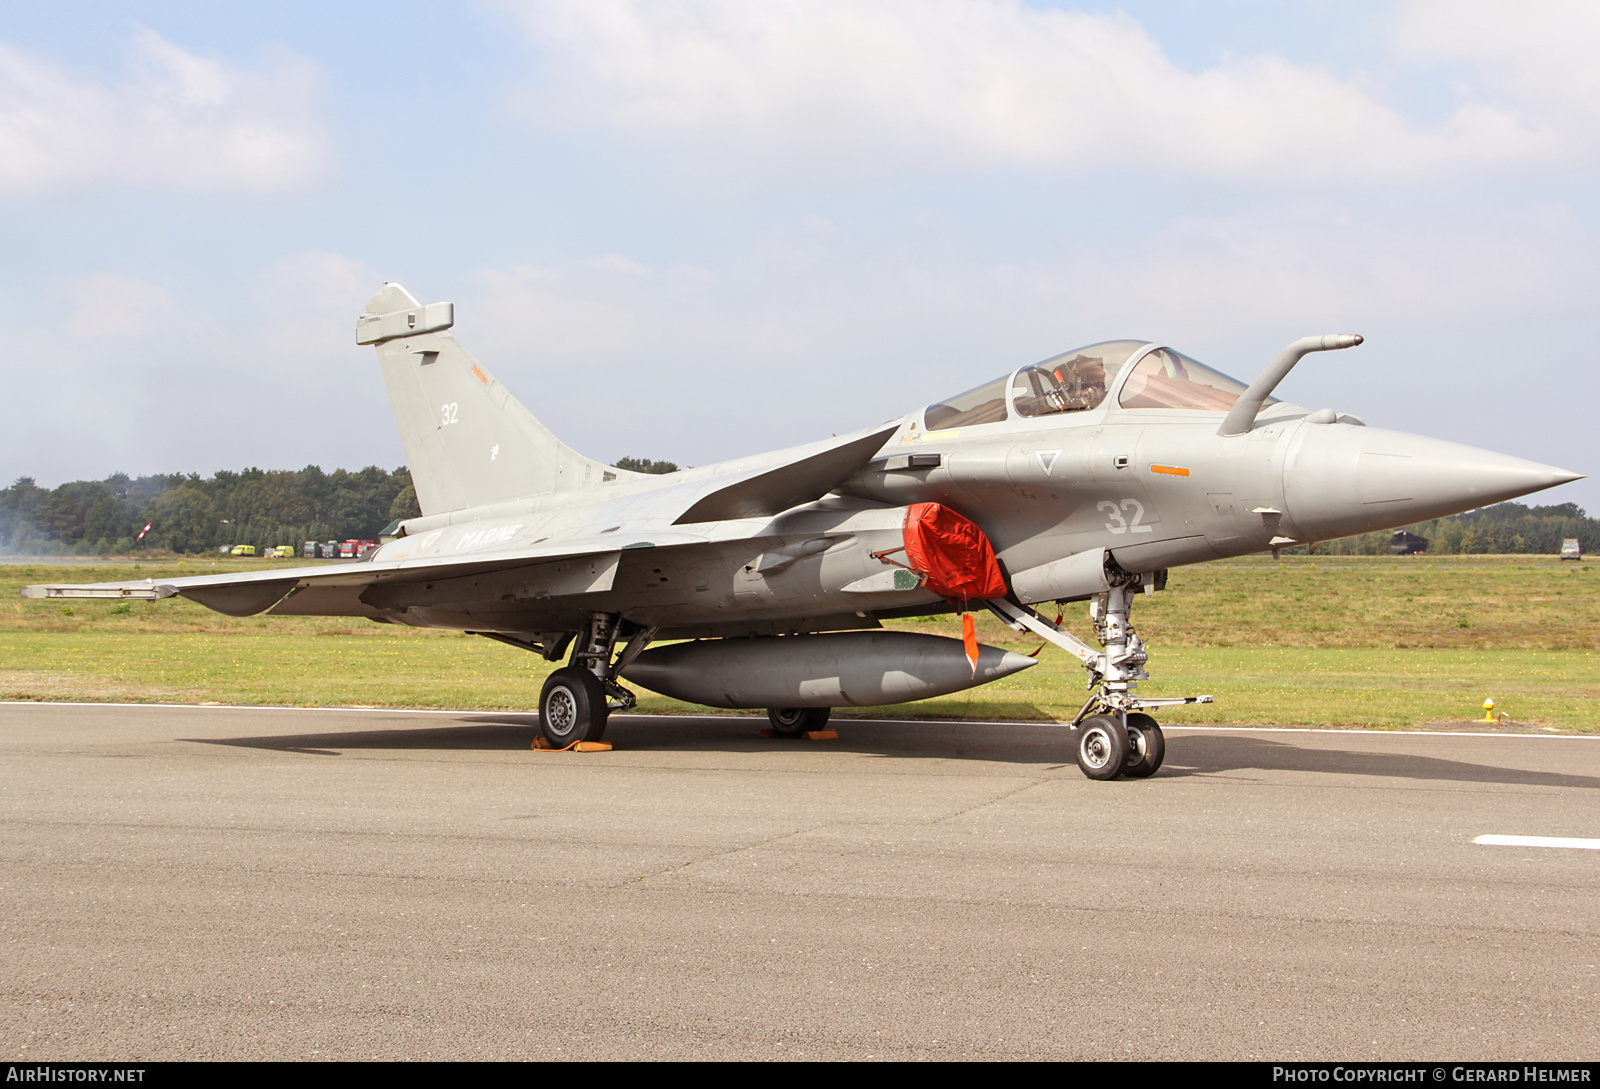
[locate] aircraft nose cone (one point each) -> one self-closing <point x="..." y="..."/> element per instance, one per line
<point x="1344" y="480"/>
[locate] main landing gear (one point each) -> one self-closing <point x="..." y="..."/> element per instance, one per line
<point x="579" y="697"/>
<point x="794" y="721"/>
<point x="1115" y="737"/>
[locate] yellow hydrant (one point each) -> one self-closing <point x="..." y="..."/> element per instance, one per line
<point x="1488" y="710"/>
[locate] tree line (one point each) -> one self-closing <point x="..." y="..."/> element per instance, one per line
<point x="1503" y="528"/>
<point x="190" y="513"/>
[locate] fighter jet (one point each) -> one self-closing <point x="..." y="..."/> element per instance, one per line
<point x="764" y="581"/>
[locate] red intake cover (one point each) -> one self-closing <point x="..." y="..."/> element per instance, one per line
<point x="952" y="554"/>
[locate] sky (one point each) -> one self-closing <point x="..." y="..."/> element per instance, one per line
<point x="702" y="229"/>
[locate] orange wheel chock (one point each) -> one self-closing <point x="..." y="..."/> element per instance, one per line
<point x="540" y="744"/>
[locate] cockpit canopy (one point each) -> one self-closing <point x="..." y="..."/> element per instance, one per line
<point x="1079" y="380"/>
<point x="1168" y="379"/>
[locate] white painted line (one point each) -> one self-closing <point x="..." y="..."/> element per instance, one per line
<point x="1538" y="841"/>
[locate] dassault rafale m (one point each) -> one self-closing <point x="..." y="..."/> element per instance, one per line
<point x="764" y="580"/>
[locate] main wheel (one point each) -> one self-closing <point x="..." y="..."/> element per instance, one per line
<point x="1147" y="746"/>
<point x="572" y="707"/>
<point x="1102" y="747"/>
<point x="794" y="721"/>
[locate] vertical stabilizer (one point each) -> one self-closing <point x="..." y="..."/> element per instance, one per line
<point x="468" y="442"/>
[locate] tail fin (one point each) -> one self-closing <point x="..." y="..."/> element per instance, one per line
<point x="468" y="442"/>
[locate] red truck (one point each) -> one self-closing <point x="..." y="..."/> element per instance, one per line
<point x="355" y="549"/>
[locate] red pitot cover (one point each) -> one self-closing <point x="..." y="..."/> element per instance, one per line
<point x="952" y="554"/>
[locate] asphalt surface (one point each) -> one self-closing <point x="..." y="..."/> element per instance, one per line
<point x="233" y="883"/>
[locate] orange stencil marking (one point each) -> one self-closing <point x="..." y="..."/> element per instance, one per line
<point x="485" y="380"/>
<point x="1170" y="470"/>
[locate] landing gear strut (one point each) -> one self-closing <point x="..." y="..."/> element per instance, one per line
<point x="1114" y="736"/>
<point x="579" y="697"/>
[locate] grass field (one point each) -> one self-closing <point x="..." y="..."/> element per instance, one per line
<point x="1371" y="641"/>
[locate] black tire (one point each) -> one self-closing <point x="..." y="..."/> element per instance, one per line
<point x="1147" y="746"/>
<point x="572" y="707"/>
<point x="794" y="721"/>
<point x="1102" y="747"/>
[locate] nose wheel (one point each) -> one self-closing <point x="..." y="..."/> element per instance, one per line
<point x="1107" y="748"/>
<point x="1102" y="747"/>
<point x="1147" y="746"/>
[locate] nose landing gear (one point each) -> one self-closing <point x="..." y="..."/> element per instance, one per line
<point x="1114" y="736"/>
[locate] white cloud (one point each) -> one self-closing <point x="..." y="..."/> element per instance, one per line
<point x="809" y="331"/>
<point x="178" y="121"/>
<point x="112" y="304"/>
<point x="615" y="262"/>
<point x="1539" y="54"/>
<point x="1308" y="264"/>
<point x="889" y="86"/>
<point x="828" y="304"/>
<point x="141" y="375"/>
<point x="306" y="307"/>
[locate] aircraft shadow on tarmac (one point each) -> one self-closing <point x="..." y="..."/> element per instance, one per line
<point x="1215" y="754"/>
<point x="500" y="733"/>
<point x="1188" y="755"/>
<point x="1021" y="742"/>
